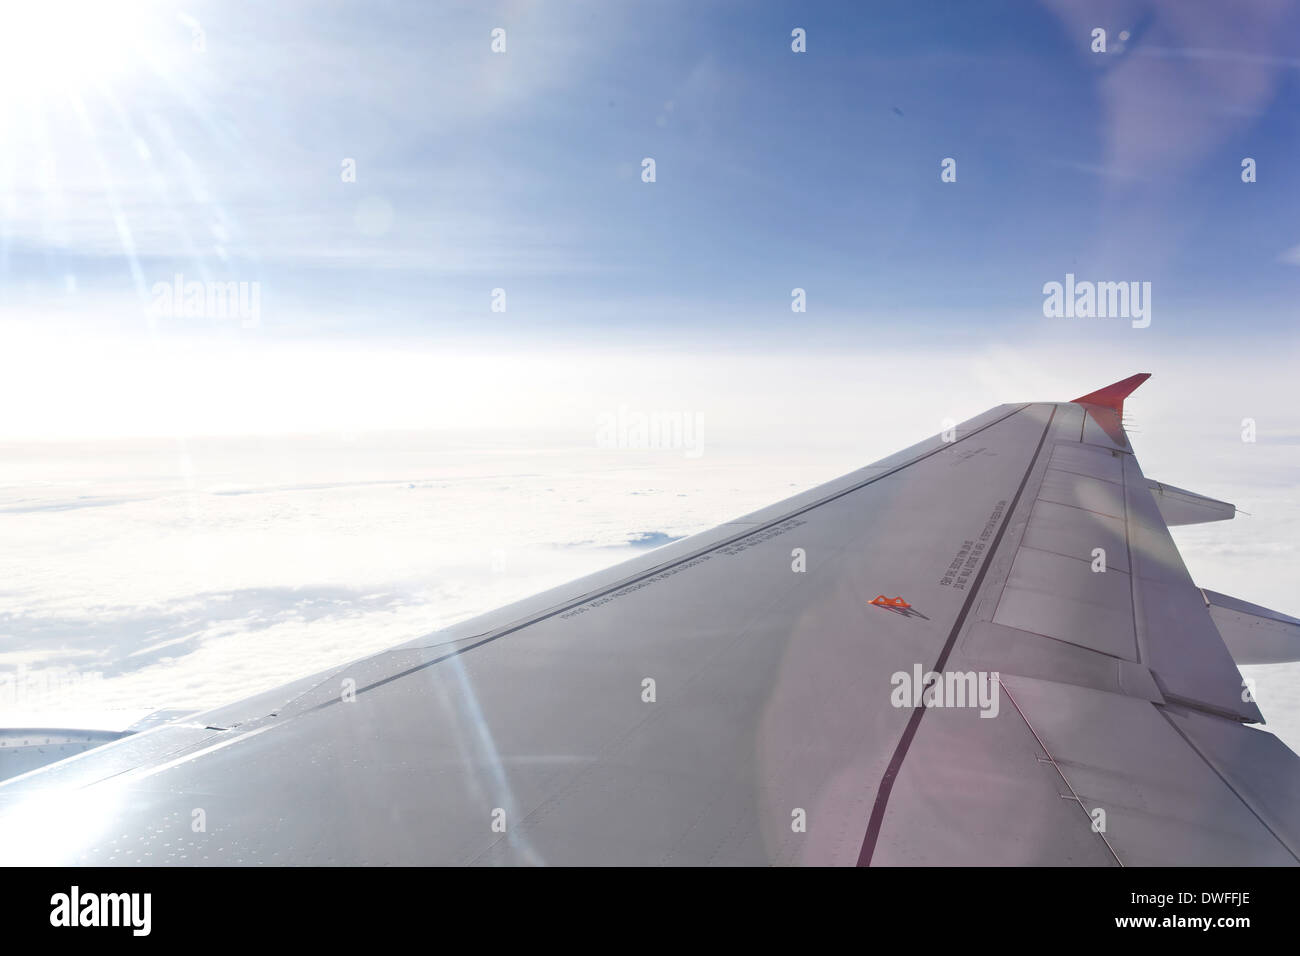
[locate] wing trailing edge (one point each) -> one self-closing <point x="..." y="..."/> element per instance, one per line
<point x="1178" y="506"/>
<point x="1254" y="634"/>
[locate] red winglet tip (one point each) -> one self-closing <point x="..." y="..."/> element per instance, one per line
<point x="1112" y="396"/>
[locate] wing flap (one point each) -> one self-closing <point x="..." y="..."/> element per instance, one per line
<point x="1120" y="755"/>
<point x="1176" y="637"/>
<point x="1179" y="506"/>
<point x="1254" y="634"/>
<point x="1260" y="769"/>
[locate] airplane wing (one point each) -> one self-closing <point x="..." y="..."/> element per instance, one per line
<point x="984" y="649"/>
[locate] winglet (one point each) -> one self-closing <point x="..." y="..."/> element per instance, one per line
<point x="1112" y="396"/>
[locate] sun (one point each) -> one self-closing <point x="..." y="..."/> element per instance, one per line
<point x="50" y="46"/>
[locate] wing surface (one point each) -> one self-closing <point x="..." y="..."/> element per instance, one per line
<point x="757" y="694"/>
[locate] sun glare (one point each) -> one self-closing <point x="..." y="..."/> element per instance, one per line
<point x="69" y="44"/>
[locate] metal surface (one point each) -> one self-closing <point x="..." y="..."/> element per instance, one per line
<point x="1254" y="634"/>
<point x="1179" y="506"/>
<point x="526" y="736"/>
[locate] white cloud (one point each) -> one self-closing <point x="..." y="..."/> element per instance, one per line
<point x="1290" y="256"/>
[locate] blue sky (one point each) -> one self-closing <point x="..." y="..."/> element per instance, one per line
<point x="774" y="169"/>
<point x="141" y="157"/>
